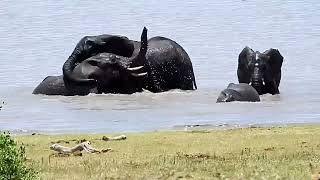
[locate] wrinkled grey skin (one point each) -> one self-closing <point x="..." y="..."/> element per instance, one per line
<point x="238" y="92"/>
<point x="159" y="64"/>
<point x="104" y="69"/>
<point x="261" y="70"/>
<point x="90" y="46"/>
<point x="54" y="85"/>
<point x="167" y="63"/>
<point x="168" y="66"/>
<point x="114" y="74"/>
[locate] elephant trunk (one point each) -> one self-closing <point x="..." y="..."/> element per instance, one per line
<point x="70" y="64"/>
<point x="135" y="64"/>
<point x="140" y="58"/>
<point x="257" y="80"/>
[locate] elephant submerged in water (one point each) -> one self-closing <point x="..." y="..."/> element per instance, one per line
<point x="158" y="64"/>
<point x="91" y="73"/>
<point x="238" y="92"/>
<point x="97" y="67"/>
<point x="261" y="70"/>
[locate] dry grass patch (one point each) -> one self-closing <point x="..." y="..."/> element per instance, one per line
<point x="253" y="153"/>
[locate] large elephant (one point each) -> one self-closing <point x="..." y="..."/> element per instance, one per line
<point x="159" y="64"/>
<point x="261" y="70"/>
<point x="238" y="92"/>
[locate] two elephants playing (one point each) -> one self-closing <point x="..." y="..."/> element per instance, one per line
<point x="116" y="64"/>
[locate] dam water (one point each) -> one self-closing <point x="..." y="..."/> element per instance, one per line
<point x="36" y="38"/>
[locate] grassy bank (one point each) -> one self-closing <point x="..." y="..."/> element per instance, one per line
<point x="253" y="153"/>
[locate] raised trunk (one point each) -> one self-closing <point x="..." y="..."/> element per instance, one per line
<point x="140" y="58"/>
<point x="131" y="70"/>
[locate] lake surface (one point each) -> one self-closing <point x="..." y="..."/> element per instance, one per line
<point x="36" y="37"/>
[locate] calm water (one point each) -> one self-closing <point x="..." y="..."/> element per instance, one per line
<point x="36" y="37"/>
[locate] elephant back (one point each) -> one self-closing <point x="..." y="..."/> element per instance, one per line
<point x="170" y="65"/>
<point x="247" y="92"/>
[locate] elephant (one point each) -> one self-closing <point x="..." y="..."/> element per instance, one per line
<point x="158" y="64"/>
<point x="167" y="63"/>
<point x="100" y="68"/>
<point x="238" y="92"/>
<point x="261" y="70"/>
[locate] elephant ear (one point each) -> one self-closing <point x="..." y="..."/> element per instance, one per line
<point x="243" y="61"/>
<point x="275" y="60"/>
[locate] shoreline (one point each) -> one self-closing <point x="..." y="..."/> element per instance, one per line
<point x="177" y="128"/>
<point x="259" y="153"/>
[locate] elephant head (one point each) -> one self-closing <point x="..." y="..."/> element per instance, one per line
<point x="90" y="46"/>
<point x="114" y="73"/>
<point x="239" y="92"/>
<point x="228" y="95"/>
<point x="261" y="70"/>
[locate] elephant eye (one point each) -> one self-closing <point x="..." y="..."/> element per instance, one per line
<point x="93" y="63"/>
<point x="113" y="60"/>
<point x="264" y="67"/>
<point x="250" y="65"/>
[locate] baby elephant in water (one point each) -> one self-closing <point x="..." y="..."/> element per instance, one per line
<point x="238" y="92"/>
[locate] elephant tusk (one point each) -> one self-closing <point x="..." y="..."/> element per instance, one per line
<point x="134" y="68"/>
<point x="139" y="74"/>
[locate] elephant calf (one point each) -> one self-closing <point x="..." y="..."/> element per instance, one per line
<point x="239" y="92"/>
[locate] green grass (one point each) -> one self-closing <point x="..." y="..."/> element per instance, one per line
<point x="252" y="153"/>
